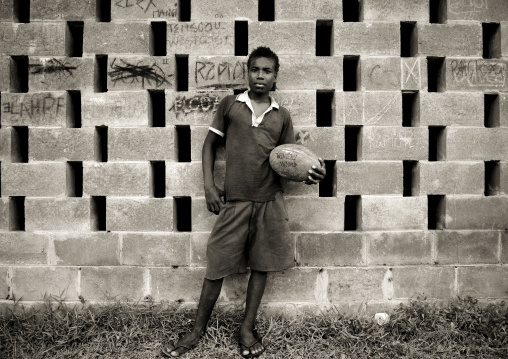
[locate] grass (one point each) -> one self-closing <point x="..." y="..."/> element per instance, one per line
<point x="420" y="329"/>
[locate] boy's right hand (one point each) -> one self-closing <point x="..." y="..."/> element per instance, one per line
<point x="214" y="199"/>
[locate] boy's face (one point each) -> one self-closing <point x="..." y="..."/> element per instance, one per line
<point x="262" y="75"/>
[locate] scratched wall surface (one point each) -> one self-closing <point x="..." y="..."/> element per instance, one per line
<point x="105" y="106"/>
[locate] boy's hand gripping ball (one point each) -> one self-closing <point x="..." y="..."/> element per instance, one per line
<point x="293" y="161"/>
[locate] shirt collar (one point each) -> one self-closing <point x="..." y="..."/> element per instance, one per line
<point x="244" y="97"/>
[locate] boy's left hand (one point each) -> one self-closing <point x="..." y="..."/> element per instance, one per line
<point x="316" y="174"/>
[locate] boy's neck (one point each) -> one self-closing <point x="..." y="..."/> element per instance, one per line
<point x="259" y="97"/>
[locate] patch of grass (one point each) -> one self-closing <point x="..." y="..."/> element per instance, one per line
<point x="420" y="329"/>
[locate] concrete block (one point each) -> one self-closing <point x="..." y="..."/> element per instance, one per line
<point x="57" y="214"/>
<point x="485" y="10"/>
<point x="21" y="248"/>
<point x="85" y="249"/>
<point x="398" y="10"/>
<point x="36" y="109"/>
<point x="398" y="248"/>
<point x="141" y="144"/>
<point x="292" y="189"/>
<point x="369" y="38"/>
<point x="300" y="72"/>
<point x="176" y="284"/>
<point x="315" y="214"/>
<point x="292" y="285"/>
<point x="194" y="108"/>
<point x="451" y="177"/>
<point x="393" y="213"/>
<point x="61" y="144"/>
<point x="224" y="10"/>
<point x="467" y="247"/>
<point x="115" y="109"/>
<point x="6" y="10"/>
<point x="476" y="212"/>
<point x="217" y="72"/>
<point x="5" y="72"/>
<point x="451" y="109"/>
<point x="301" y="106"/>
<point x="198" y="135"/>
<point x="380" y="73"/>
<point x="476" y="74"/>
<point x="473" y="144"/>
<point x="168" y="249"/>
<point x="36" y="283"/>
<point x="201" y="37"/>
<point x="198" y="243"/>
<point x="4" y="214"/>
<point x="359" y="284"/>
<point x="131" y="73"/>
<point x="449" y="39"/>
<point x="140" y="215"/>
<point x="33" y="39"/>
<point x="4" y="290"/>
<point x="326" y="142"/>
<point x="33" y="179"/>
<point x="369" y="178"/>
<point x="504" y="177"/>
<point x="370" y="108"/>
<point x="186" y="179"/>
<point x="5" y="145"/>
<point x="62" y="10"/>
<point x="202" y="219"/>
<point x="113" y="283"/>
<point x="430" y="282"/>
<point x="329" y="249"/>
<point x="308" y="10"/>
<point x="394" y="143"/>
<point x="504" y="38"/>
<point x="275" y="35"/>
<point x="483" y="282"/>
<point x="503" y="108"/>
<point x="156" y="10"/>
<point x="60" y="73"/>
<point x="116" y="38"/>
<point x="504" y="247"/>
<point x="414" y="73"/>
<point x="116" y="179"/>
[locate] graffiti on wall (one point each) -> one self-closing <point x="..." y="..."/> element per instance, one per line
<point x="150" y="76"/>
<point x="222" y="75"/>
<point x="478" y="72"/>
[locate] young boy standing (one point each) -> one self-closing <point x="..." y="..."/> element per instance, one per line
<point x="252" y="223"/>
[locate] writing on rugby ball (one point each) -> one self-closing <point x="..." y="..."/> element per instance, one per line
<point x="293" y="161"/>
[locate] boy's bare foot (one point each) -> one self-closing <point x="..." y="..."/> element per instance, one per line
<point x="250" y="344"/>
<point x="184" y="344"/>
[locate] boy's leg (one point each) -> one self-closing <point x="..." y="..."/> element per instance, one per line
<point x="255" y="291"/>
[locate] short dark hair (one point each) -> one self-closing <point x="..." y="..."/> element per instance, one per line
<point x="263" y="51"/>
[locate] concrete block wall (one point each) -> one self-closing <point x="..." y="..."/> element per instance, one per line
<point x="105" y="105"/>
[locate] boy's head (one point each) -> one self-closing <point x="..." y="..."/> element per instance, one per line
<point x="263" y="51"/>
<point x="263" y="65"/>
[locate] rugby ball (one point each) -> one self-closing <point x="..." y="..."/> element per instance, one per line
<point x="293" y="161"/>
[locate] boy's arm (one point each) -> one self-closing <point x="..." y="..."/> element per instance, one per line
<point x="213" y="194"/>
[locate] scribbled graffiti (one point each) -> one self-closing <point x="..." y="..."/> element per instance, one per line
<point x="479" y="72"/>
<point x="302" y="137"/>
<point x="198" y="103"/>
<point x="33" y="106"/>
<point x="142" y="4"/>
<point x="61" y="68"/>
<point x="220" y="74"/>
<point x="467" y="8"/>
<point x="152" y="76"/>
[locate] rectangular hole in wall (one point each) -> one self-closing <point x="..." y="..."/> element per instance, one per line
<point x="19" y="144"/>
<point x="410" y="109"/>
<point x="324" y="37"/>
<point x="350" y="10"/>
<point x="101" y="73"/>
<point x="19" y="74"/>
<point x="352" y="143"/>
<point x="182" y="72"/>
<point x="16" y="213"/>
<point x="491" y="34"/>
<point x="184" y="10"/>
<point x="21" y="11"/>
<point x="436" y="72"/>
<point x="158" y="37"/>
<point x="157" y="108"/>
<point x="351" y="73"/>
<point x="328" y="186"/>
<point x="352" y="213"/>
<point x="437" y="11"/>
<point x="183" y="214"/>
<point x="411" y="178"/>
<point x="492" y="178"/>
<point x="98" y="213"/>
<point x="103" y="10"/>
<point x="101" y="144"/>
<point x="74" y="109"/>
<point x="491" y="110"/>
<point x="74" y="39"/>
<point x="266" y="10"/>
<point x="183" y="143"/>
<point x="408" y="39"/>
<point x="241" y="38"/>
<point x="74" y="179"/>
<point x="437" y="143"/>
<point x="436" y="211"/>
<point x="158" y="179"/>
<point x="324" y="108"/>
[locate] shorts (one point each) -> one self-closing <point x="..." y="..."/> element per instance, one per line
<point x="254" y="234"/>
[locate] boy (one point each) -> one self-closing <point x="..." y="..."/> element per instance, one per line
<point x="252" y="220"/>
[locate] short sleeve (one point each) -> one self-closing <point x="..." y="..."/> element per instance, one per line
<point x="219" y="119"/>
<point x="287" y="135"/>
